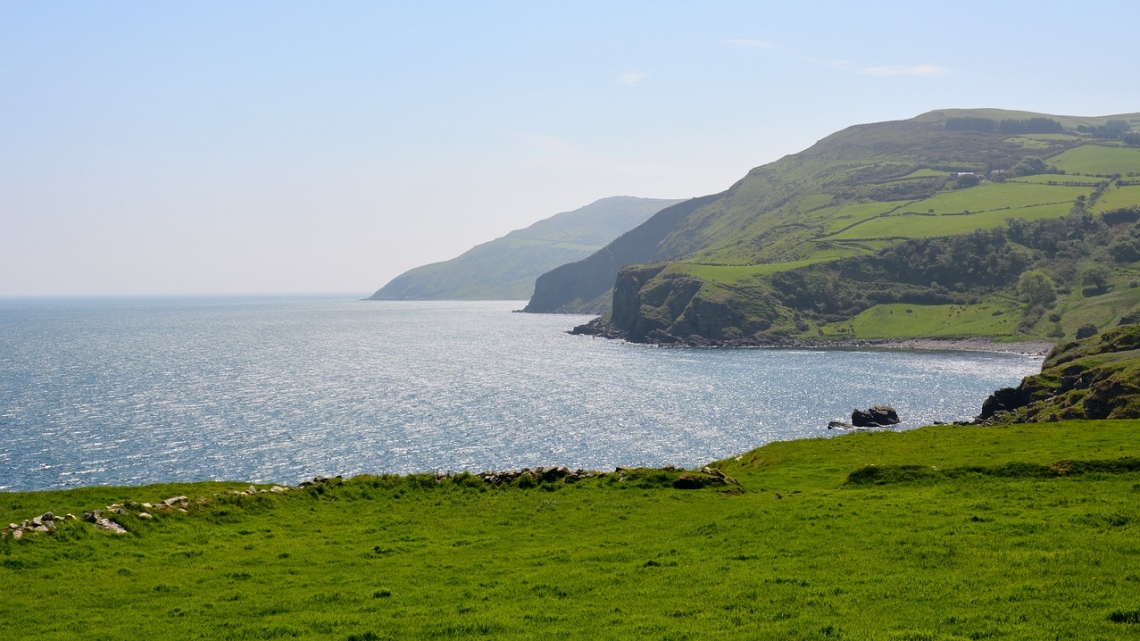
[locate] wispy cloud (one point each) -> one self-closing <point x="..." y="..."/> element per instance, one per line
<point x="838" y="65"/>
<point x="751" y="44"/>
<point x="632" y="78"/>
<point x="900" y="70"/>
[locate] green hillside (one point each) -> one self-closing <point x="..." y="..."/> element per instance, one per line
<point x="765" y="261"/>
<point x="1019" y="532"/>
<point x="505" y="268"/>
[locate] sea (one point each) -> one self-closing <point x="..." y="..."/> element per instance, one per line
<point x="129" y="391"/>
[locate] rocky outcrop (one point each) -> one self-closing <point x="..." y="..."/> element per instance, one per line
<point x="657" y="305"/>
<point x="877" y="416"/>
<point x="1094" y="378"/>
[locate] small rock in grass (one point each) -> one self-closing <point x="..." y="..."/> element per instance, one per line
<point x="110" y="526"/>
<point x="144" y="516"/>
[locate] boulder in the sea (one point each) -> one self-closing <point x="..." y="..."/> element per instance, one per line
<point x="839" y="425"/>
<point x="877" y="416"/>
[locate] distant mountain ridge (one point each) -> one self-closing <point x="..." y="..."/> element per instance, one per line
<point x="505" y="268"/>
<point x="823" y="245"/>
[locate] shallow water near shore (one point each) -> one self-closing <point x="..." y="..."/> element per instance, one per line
<point x="282" y="388"/>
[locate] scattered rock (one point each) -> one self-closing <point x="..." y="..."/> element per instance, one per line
<point x="689" y="481"/>
<point x="110" y="526"/>
<point x="175" y="500"/>
<point x="145" y="516"/>
<point x="839" y="425"/>
<point x="278" y="489"/>
<point x="17" y="534"/>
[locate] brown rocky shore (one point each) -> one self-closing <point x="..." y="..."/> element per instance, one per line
<point x="980" y="344"/>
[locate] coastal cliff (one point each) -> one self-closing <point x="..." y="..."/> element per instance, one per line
<point x="955" y="224"/>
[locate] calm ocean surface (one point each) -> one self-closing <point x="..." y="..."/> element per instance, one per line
<point x="279" y="389"/>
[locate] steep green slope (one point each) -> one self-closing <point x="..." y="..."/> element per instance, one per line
<point x="714" y="272"/>
<point x="506" y="268"/>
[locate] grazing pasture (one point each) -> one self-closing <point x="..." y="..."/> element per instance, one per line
<point x="951" y="533"/>
<point x="1098" y="159"/>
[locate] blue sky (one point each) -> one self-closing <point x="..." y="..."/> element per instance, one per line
<point x="217" y="147"/>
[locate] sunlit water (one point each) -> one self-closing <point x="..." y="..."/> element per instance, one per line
<point x="284" y="388"/>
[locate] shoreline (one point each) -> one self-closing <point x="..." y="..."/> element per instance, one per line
<point x="1038" y="348"/>
<point x="1024" y="348"/>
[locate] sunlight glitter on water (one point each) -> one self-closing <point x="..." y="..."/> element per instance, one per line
<point x="283" y="388"/>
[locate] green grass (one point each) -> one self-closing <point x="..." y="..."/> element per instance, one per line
<point x="944" y="214"/>
<point x="1098" y="159"/>
<point x="1044" y="179"/>
<point x="840" y="217"/>
<point x="1103" y="310"/>
<point x="736" y="274"/>
<point x="898" y="320"/>
<point x="928" y="226"/>
<point x="1118" y="197"/>
<point x="920" y="173"/>
<point x="990" y="196"/>
<point x="968" y="555"/>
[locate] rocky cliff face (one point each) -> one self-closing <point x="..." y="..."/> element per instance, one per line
<point x="584" y="286"/>
<point x="654" y="305"/>
<point x="1093" y="378"/>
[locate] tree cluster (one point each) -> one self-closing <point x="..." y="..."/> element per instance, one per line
<point x="1037" y="125"/>
<point x="1110" y="129"/>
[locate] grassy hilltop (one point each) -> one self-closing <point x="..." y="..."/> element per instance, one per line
<point x="944" y="533"/>
<point x="941" y="214"/>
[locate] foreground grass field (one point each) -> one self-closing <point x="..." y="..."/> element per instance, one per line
<point x="942" y="539"/>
